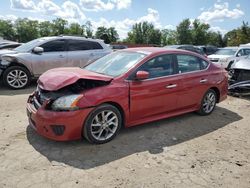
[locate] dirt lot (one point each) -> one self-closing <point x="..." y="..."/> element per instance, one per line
<point x="185" y="151"/>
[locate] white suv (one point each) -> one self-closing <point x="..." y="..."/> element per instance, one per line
<point x="226" y="56"/>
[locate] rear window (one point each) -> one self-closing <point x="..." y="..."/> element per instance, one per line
<point x="189" y="63"/>
<point x="79" y="45"/>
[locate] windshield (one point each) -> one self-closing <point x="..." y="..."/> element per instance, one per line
<point x="226" y="51"/>
<point x="28" y="46"/>
<point x="116" y="63"/>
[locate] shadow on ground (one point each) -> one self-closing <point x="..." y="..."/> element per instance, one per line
<point x="151" y="137"/>
<point x="6" y="91"/>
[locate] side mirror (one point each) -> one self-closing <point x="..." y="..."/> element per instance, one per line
<point x="239" y="54"/>
<point x="142" y="75"/>
<point x="38" y="50"/>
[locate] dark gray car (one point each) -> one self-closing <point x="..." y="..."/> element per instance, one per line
<point x="30" y="60"/>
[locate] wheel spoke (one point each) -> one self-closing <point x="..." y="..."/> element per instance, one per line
<point x="107" y="115"/>
<point x="96" y="125"/>
<point x="109" y="121"/>
<point x="106" y="121"/>
<point x="11" y="74"/>
<point x="99" y="135"/>
<point x="103" y="116"/>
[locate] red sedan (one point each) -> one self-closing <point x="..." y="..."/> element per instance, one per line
<point x="125" y="88"/>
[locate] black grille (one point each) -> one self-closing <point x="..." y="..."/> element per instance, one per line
<point x="36" y="103"/>
<point x="58" y="129"/>
<point x="214" y="60"/>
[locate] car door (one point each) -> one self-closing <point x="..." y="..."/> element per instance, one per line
<point x="53" y="56"/>
<point x="194" y="78"/>
<point x="157" y="94"/>
<point x="83" y="52"/>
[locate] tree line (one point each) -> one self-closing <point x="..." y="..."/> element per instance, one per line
<point x="196" y="33"/>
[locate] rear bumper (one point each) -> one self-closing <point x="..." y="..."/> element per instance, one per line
<point x="59" y="126"/>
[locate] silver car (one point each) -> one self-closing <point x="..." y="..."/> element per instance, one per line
<point x="30" y="60"/>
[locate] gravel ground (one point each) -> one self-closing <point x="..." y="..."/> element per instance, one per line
<point x="184" y="151"/>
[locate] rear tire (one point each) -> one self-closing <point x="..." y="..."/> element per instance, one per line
<point x="208" y="103"/>
<point x="102" y="124"/>
<point x="16" y="77"/>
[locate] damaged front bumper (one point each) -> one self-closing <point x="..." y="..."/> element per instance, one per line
<point x="59" y="126"/>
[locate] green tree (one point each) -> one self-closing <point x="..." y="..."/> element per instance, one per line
<point x="113" y="35"/>
<point x="107" y="34"/>
<point x="199" y="33"/>
<point x="26" y="29"/>
<point x="75" y="29"/>
<point x="168" y="37"/>
<point x="216" y="39"/>
<point x="45" y="29"/>
<point x="238" y="36"/>
<point x="7" y="30"/>
<point x="184" y="33"/>
<point x="144" y="33"/>
<point x="59" y="26"/>
<point x="102" y="33"/>
<point x="89" y="30"/>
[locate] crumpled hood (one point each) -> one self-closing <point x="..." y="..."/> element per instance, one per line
<point x="58" y="78"/>
<point x="241" y="64"/>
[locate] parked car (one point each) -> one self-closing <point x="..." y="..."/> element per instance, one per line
<point x="239" y="77"/>
<point x="226" y="56"/>
<point x="9" y="46"/>
<point x="209" y="49"/>
<point x="191" y="48"/>
<point x="125" y="88"/>
<point x="32" y="59"/>
<point x="115" y="47"/>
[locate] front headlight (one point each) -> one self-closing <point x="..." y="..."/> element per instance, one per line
<point x="66" y="103"/>
<point x="6" y="60"/>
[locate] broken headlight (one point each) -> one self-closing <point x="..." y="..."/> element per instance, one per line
<point x="66" y="103"/>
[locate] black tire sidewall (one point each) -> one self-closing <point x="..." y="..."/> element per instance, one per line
<point x="201" y="110"/>
<point x="9" y="69"/>
<point x="87" y="125"/>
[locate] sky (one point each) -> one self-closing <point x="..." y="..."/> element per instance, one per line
<point x="222" y="15"/>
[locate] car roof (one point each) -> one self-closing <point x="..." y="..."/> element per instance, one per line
<point x="70" y="37"/>
<point x="153" y="50"/>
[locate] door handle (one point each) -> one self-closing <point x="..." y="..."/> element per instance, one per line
<point x="171" y="86"/>
<point x="203" y="80"/>
<point x="61" y="56"/>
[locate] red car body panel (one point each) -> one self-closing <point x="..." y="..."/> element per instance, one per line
<point x="139" y="101"/>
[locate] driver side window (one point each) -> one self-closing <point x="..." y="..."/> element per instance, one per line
<point x="54" y="46"/>
<point x="159" y="66"/>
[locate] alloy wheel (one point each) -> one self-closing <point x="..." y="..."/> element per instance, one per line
<point x="209" y="102"/>
<point x="104" y="125"/>
<point x="17" y="78"/>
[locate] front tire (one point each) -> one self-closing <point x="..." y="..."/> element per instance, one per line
<point x="16" y="77"/>
<point x="208" y="103"/>
<point x="103" y="124"/>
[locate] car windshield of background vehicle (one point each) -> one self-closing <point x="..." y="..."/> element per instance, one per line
<point x="28" y="46"/>
<point x="115" y="64"/>
<point x="226" y="52"/>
